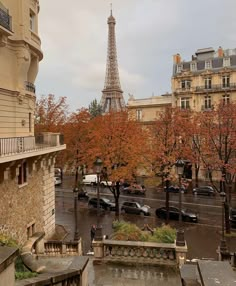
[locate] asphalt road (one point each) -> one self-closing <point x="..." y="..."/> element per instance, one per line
<point x="202" y="238"/>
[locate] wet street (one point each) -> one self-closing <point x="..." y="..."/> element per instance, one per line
<point x="202" y="238"/>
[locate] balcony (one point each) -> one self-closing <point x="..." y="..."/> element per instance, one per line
<point x="5" y="18"/>
<point x="16" y="148"/>
<point x="30" y="86"/>
<point x="216" y="87"/>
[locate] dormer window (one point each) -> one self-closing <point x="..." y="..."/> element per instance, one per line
<point x="179" y="68"/>
<point x="208" y="64"/>
<point x="193" y="66"/>
<point x="226" y="62"/>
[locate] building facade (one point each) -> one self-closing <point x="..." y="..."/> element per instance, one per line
<point x="205" y="80"/>
<point x="26" y="159"/>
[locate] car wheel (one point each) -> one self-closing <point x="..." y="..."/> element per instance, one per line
<point x="109" y="209"/>
<point x="123" y="211"/>
<point x="187" y="219"/>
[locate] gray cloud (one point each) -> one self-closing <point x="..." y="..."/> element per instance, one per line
<point x="148" y="33"/>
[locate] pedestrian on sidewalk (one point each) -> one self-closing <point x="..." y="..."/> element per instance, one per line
<point x="92" y="233"/>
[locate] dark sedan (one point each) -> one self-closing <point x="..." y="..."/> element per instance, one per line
<point x="175" y="189"/>
<point x="187" y="215"/>
<point x="104" y="204"/>
<point x="204" y="190"/>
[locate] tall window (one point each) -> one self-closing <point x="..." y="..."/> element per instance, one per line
<point x="207" y="102"/>
<point x="32" y="21"/>
<point x="208" y="83"/>
<point x="139" y="114"/>
<point x="185" y="103"/>
<point x="22" y="177"/>
<point x="225" y="81"/>
<point x="193" y="66"/>
<point x="226" y="99"/>
<point x="226" y="62"/>
<point x="185" y="84"/>
<point x="207" y="65"/>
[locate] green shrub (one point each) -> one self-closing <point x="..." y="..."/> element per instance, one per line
<point x="130" y="232"/>
<point x="25" y="275"/>
<point x="164" y="234"/>
<point x="7" y="241"/>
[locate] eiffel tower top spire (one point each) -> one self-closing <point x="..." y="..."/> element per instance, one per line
<point x="112" y="94"/>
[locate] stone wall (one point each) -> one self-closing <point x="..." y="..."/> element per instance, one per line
<point x="30" y="207"/>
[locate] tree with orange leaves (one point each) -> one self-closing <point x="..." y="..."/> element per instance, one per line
<point x="50" y="113"/>
<point x="167" y="143"/>
<point x="119" y="142"/>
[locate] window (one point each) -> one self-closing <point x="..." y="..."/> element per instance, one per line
<point x="226" y="62"/>
<point x="185" y="84"/>
<point x="207" y="102"/>
<point x="22" y="177"/>
<point x="226" y="99"/>
<point x="208" y="83"/>
<point x="30" y="122"/>
<point x="193" y="66"/>
<point x="185" y="103"/>
<point x="139" y="114"/>
<point x="207" y="65"/>
<point x="179" y="68"/>
<point x="225" y="81"/>
<point x="32" y="21"/>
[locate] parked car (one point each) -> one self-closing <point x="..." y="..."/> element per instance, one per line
<point x="232" y="217"/>
<point x="135" y="208"/>
<point x="83" y="195"/>
<point x="204" y="190"/>
<point x="91" y="179"/>
<point x="175" y="189"/>
<point x="135" y="189"/>
<point x="104" y="204"/>
<point x="187" y="215"/>
<point x="57" y="181"/>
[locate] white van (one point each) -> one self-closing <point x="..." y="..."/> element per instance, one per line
<point x="92" y="180"/>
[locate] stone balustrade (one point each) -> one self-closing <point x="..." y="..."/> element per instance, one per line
<point x="57" y="248"/>
<point x="139" y="252"/>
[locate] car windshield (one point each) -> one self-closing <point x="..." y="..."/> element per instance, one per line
<point x="138" y="205"/>
<point x="106" y="200"/>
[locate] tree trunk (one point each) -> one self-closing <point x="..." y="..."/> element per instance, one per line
<point x="227" y="222"/>
<point x="196" y="175"/>
<point x="167" y="201"/>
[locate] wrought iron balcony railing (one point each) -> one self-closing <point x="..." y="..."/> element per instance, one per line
<point x="216" y="87"/>
<point x="30" y="86"/>
<point x="18" y="145"/>
<point x="5" y="18"/>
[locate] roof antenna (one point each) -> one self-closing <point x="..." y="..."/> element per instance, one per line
<point x="111" y="8"/>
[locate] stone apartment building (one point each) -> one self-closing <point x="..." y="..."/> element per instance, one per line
<point x="198" y="84"/>
<point x="26" y="159"/>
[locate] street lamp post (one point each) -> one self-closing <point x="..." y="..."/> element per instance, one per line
<point x="179" y="165"/>
<point x="75" y="192"/>
<point x="223" y="247"/>
<point x="98" y="169"/>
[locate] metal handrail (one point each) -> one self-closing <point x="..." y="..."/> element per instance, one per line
<point x="16" y="145"/>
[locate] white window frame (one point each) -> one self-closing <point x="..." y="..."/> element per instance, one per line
<point x="208" y="83"/>
<point x="208" y="64"/>
<point x="226" y="99"/>
<point x="185" y="103"/>
<point x="225" y="81"/>
<point x="193" y="66"/>
<point x="226" y="62"/>
<point x="185" y="84"/>
<point x="179" y="68"/>
<point x="138" y="114"/>
<point x="207" y="102"/>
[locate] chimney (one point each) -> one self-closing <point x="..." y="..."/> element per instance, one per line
<point x="220" y="52"/>
<point x="177" y="59"/>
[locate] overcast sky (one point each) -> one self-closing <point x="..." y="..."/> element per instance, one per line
<point x="148" y="33"/>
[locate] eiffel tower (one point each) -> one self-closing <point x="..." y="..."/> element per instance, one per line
<point x="112" y="94"/>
